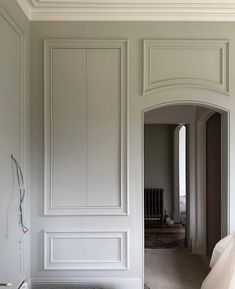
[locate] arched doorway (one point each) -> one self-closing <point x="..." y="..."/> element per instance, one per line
<point x="196" y="183"/>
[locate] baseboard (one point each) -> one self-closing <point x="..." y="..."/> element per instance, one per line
<point x="76" y="283"/>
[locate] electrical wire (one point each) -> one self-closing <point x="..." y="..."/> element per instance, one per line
<point x="20" y="180"/>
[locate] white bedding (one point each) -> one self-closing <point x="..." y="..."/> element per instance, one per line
<point x="222" y="274"/>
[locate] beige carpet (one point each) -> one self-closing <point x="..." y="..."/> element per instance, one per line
<point x="173" y="269"/>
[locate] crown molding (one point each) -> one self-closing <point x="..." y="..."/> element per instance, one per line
<point x="26" y="6"/>
<point x="128" y="10"/>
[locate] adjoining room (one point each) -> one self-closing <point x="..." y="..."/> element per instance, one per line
<point x="174" y="138"/>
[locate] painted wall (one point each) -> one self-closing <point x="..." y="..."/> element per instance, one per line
<point x="14" y="130"/>
<point x="186" y="72"/>
<point x="158" y="161"/>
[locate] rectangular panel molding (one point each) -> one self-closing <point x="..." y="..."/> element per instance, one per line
<point x="194" y="63"/>
<point x="85" y="119"/>
<point x="83" y="250"/>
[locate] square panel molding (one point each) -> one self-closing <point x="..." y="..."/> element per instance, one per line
<point x="194" y="63"/>
<point x="82" y="204"/>
<point x="71" y="249"/>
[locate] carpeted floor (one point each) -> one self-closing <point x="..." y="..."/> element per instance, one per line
<point x="173" y="269"/>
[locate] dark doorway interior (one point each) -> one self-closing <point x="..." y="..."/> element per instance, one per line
<point x="159" y="187"/>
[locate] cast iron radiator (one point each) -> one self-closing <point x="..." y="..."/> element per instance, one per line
<point x="153" y="204"/>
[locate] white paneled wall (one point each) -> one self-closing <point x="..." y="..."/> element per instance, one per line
<point x="92" y="166"/>
<point x="85" y="127"/>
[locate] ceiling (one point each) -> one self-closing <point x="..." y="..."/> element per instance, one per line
<point x="129" y="10"/>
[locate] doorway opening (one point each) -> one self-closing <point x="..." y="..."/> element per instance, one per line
<point x="185" y="164"/>
<point x="165" y="185"/>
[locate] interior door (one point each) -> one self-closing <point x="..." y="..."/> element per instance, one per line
<point x="11" y="234"/>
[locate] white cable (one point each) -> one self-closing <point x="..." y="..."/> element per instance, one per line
<point x="21" y="188"/>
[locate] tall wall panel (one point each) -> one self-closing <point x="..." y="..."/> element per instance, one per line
<point x="104" y="159"/>
<point x="85" y="140"/>
<point x="68" y="128"/>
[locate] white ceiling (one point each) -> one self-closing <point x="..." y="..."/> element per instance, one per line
<point x="129" y="10"/>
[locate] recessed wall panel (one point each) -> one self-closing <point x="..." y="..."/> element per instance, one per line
<point x="110" y="249"/>
<point x="68" y="124"/>
<point x="173" y="63"/>
<point x="73" y="249"/>
<point x="104" y="127"/>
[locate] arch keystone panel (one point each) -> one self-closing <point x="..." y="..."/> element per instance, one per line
<point x="195" y="63"/>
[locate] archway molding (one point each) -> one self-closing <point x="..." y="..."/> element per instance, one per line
<point x="196" y="236"/>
